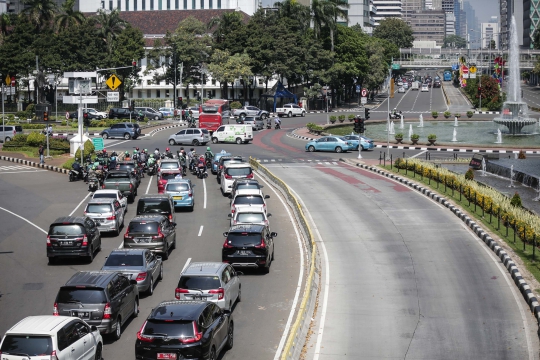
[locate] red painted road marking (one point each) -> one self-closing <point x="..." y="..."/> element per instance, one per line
<point x="369" y="174"/>
<point x="276" y="139"/>
<point x="348" y="179"/>
<point x="258" y="142"/>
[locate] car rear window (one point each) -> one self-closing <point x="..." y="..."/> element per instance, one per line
<point x="118" y="176"/>
<point x="153" y="206"/>
<point x="199" y="282"/>
<point x="173" y="329"/>
<point x="204" y="131"/>
<point x="98" y="208"/>
<point x="177" y="187"/>
<point x="104" y="196"/>
<point x="169" y="165"/>
<point x="125" y="167"/>
<point x="78" y="295"/>
<point x="124" y="260"/>
<point x="248" y="199"/>
<point x="243" y="171"/>
<point x="18" y="128"/>
<point x="250" y="217"/>
<point x="143" y="227"/>
<point x="27" y="344"/>
<point x="168" y="175"/>
<point x="66" y="229"/>
<point x="244" y="239"/>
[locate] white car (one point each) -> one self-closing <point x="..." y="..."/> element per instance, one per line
<point x="401" y="90"/>
<point x="291" y="110"/>
<point x="101" y="114"/>
<point x="424" y="87"/>
<point x="248" y="200"/>
<point x="400" y="83"/>
<point x="51" y="337"/>
<point x="112" y="194"/>
<point x="233" y="171"/>
<point x="249" y="215"/>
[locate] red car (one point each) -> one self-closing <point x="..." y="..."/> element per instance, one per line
<point x="165" y="176"/>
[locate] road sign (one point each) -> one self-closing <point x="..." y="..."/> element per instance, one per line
<point x="113" y="96"/>
<point x="396" y="66"/>
<point x="364" y="92"/>
<point x="8" y="80"/>
<point x="357" y="89"/>
<point x="67" y="115"/>
<point x="98" y="143"/>
<point x="363" y="100"/>
<point x="465" y="72"/>
<point x="113" y="82"/>
<point x="13" y="81"/>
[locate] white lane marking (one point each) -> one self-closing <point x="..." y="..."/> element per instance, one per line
<point x="19" y="172"/>
<point x="20" y="217"/>
<point x="118" y="143"/>
<point x="186" y="265"/>
<point x="86" y="197"/>
<point x="420" y="153"/>
<point x="21" y="167"/>
<point x="204" y="188"/>
<point x="200" y="230"/>
<point x="326" y="281"/>
<point x="121" y="245"/>
<point x="149" y="183"/>
<point x="300" y="275"/>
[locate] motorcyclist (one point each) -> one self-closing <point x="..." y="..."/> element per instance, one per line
<point x="112" y="163"/>
<point x="201" y="164"/>
<point x="140" y="116"/>
<point x="209" y="155"/>
<point x="127" y="156"/>
<point x="92" y="173"/>
<point x="76" y="165"/>
<point x="191" y="157"/>
<point x="277" y="121"/>
<point x="135" y="155"/>
<point x="156" y="153"/>
<point x="268" y="123"/>
<point x="168" y="153"/>
<point x="100" y="174"/>
<point x="143" y="157"/>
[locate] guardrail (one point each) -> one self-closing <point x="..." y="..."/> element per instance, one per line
<point x="298" y="332"/>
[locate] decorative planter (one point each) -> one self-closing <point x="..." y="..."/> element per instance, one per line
<point x="432" y="141"/>
<point x="399" y="140"/>
<point x="414" y="141"/>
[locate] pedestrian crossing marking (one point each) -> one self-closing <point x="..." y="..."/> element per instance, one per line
<point x="14" y="169"/>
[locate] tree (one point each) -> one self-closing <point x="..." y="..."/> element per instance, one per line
<point x="40" y="12"/>
<point x="68" y="17"/>
<point x="227" y="69"/>
<point x="229" y="32"/>
<point x="454" y="42"/>
<point x="110" y="26"/>
<point x="336" y="10"/>
<point x="492" y="44"/>
<point x="395" y="31"/>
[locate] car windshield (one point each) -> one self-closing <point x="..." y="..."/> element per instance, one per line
<point x="98" y="208"/>
<point x="177" y="187"/>
<point x="104" y="196"/>
<point x="154" y="206"/>
<point x="31" y="345"/>
<point x="219" y="156"/>
<point x="244" y="171"/>
<point x="243" y="239"/>
<point x="85" y="296"/>
<point x="168" y="175"/>
<point x="247" y="186"/>
<point x="353" y="137"/>
<point x="124" y="260"/>
<point x="342" y="139"/>
<point x="66" y="229"/>
<point x="248" y="200"/>
<point x="169" y="165"/>
<point x="143" y="227"/>
<point x="250" y="217"/>
<point x="173" y="329"/>
<point x="199" y="282"/>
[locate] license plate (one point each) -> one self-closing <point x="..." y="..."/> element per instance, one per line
<point x="142" y="240"/>
<point x="197" y="297"/>
<point x="164" y="356"/>
<point x="177" y="197"/>
<point x="244" y="252"/>
<point x="66" y="243"/>
<point x="81" y="314"/>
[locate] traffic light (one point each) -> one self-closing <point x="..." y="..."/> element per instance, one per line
<point x="357" y="124"/>
<point x="180" y="100"/>
<point x="361" y="126"/>
<point x="366" y="112"/>
<point x="45" y="116"/>
<point x="479" y="90"/>
<point x="134" y="63"/>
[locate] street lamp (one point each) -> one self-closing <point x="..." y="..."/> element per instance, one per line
<point x="3" y="118"/>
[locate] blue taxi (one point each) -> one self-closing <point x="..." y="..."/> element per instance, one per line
<point x="215" y="161"/>
<point x="182" y="193"/>
<point x="330" y="143"/>
<point x="357" y="141"/>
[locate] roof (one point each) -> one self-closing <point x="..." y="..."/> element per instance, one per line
<point x="204" y="268"/>
<point x="250" y="209"/>
<point x="106" y="191"/>
<point x="178" y="310"/>
<point x="247" y="228"/>
<point x="238" y="165"/>
<point x="156" y="217"/>
<point x="41" y="324"/>
<point x="128" y="251"/>
<point x="248" y="192"/>
<point x="154" y="196"/>
<point x="179" y="181"/>
<point x="69" y="219"/>
<point x="91" y="278"/>
<point x="101" y="201"/>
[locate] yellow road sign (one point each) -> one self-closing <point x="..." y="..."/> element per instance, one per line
<point x="472" y="69"/>
<point x="8" y="80"/>
<point x="113" y="82"/>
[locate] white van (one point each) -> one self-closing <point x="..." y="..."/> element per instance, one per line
<point x="233" y="133"/>
<point x="415" y="85"/>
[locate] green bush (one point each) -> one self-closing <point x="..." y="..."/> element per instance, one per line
<point x="19" y="139"/>
<point x="447" y="114"/>
<point x="33" y="126"/>
<point x="30" y="109"/>
<point x="341" y="118"/>
<point x="351" y="117"/>
<point x="469" y="175"/>
<point x="236" y="105"/>
<point x="23" y="115"/>
<point x="333" y="119"/>
<point x="516" y="200"/>
<point x="398" y="136"/>
<point x="415" y="137"/>
<point x="35" y="139"/>
<point x="58" y="144"/>
<point x="432" y="137"/>
<point x="435" y="114"/>
<point x="67" y="165"/>
<point x="470" y="114"/>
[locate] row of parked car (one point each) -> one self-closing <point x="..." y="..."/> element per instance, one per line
<point x="198" y="323"/>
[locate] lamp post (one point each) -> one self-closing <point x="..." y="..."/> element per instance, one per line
<point x="3" y="118"/>
<point x="388" y="113"/>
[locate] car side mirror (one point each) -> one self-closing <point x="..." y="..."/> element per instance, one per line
<point x="239" y="273"/>
<point x="273" y="234"/>
<point x="268" y="215"/>
<point x="261" y="186"/>
<point x="123" y="205"/>
<point x="173" y="224"/>
<point x="267" y="196"/>
<point x="230" y="197"/>
<point x="93" y="328"/>
<point x="229" y="215"/>
<point x="133" y="282"/>
<point x="226" y="233"/>
<point x="158" y="257"/>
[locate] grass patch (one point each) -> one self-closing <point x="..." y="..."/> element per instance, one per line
<point x="31" y="151"/>
<point x="490" y="223"/>
<point x="346" y="130"/>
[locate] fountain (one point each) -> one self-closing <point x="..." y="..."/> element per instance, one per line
<point x="454" y="137"/>
<point x="401" y="125"/>
<point x="514" y="111"/>
<point x="421" y="118"/>
<point x="410" y="130"/>
<point x="455" y="121"/>
<point x="483" y="166"/>
<point x="499" y="137"/>
<point x="512" y="175"/>
<point x="391" y="131"/>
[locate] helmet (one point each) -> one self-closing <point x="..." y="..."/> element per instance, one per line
<point x="208" y="149"/>
<point x="192" y="149"/>
<point x="127" y="153"/>
<point x="152" y="156"/>
<point x="167" y="149"/>
<point x="157" y="149"/>
<point x="104" y="150"/>
<point x="145" y="150"/>
<point x="137" y="148"/>
<point x="134" y="151"/>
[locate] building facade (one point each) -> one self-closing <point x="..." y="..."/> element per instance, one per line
<point x="247" y="6"/>
<point x="428" y="25"/>
<point x="361" y="12"/>
<point x="489" y="32"/>
<point x="531" y="21"/>
<point x="387" y="9"/>
<point x="450" y="24"/>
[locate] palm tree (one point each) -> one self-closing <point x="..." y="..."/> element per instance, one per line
<point x="110" y="26"/>
<point x="294" y="10"/>
<point x="318" y="16"/>
<point x="223" y="25"/>
<point x="335" y="10"/>
<point x="68" y="17"/>
<point x="5" y="22"/>
<point x="40" y="12"/>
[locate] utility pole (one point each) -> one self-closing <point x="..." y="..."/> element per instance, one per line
<point x="388" y="113"/>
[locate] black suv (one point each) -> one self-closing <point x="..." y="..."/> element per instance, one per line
<point x="121" y="113"/>
<point x="249" y="245"/>
<point x="185" y="329"/>
<point x="105" y="299"/>
<point x="73" y="236"/>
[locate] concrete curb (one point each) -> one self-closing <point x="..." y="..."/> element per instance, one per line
<point x="495" y="151"/>
<point x="506" y="260"/>
<point x="300" y="136"/>
<point x="164" y="128"/>
<point x="488" y="112"/>
<point x="34" y="164"/>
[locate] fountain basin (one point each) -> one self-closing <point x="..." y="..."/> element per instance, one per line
<point x="514" y="117"/>
<point x="526" y="171"/>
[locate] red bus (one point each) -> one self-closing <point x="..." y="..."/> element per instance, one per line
<point x="213" y="114"/>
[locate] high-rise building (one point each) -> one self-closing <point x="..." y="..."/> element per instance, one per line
<point x="361" y="12"/>
<point x="489" y="32"/>
<point x="411" y="6"/>
<point x="531" y="21"/>
<point x="450" y="24"/>
<point x="448" y="5"/>
<point x="16" y="6"/>
<point x="428" y="25"/>
<point x="387" y="9"/>
<point x="473" y="26"/>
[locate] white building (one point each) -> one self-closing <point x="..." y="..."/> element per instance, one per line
<point x="489" y="32"/>
<point x="247" y="6"/>
<point x="361" y="12"/>
<point x="387" y="8"/>
<point x="3" y="6"/>
<point x="450" y="24"/>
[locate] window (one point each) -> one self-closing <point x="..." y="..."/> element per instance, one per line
<point x="202" y="4"/>
<point x="83" y="329"/>
<point x="127" y="5"/>
<point x="119" y="4"/>
<point x="148" y="93"/>
<point x="160" y="4"/>
<point x="158" y="93"/>
<point x="123" y="283"/>
<point x="110" y="5"/>
<point x="216" y="312"/>
<point x="210" y="4"/>
<point x="219" y="4"/>
<point x="193" y="4"/>
<point x="134" y="5"/>
<point x="168" y="4"/>
<point x="144" y="4"/>
<point x="206" y="318"/>
<point x="185" y="4"/>
<point x="151" y="4"/>
<point x="176" y="4"/>
<point x="226" y="276"/>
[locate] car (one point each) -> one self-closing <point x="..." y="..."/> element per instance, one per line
<point x="108" y="213"/>
<point x="249" y="215"/>
<point x="51" y="337"/>
<point x="245" y="183"/>
<point x="8" y="132"/>
<point x="92" y="114"/>
<point x="291" y="110"/>
<point x="121" y="113"/>
<point x="185" y="329"/>
<point x="329" y="143"/>
<point x="149" y="113"/>
<point x="215" y="161"/>
<point x="153" y="232"/>
<point x="249" y="245"/>
<point x="132" y="167"/>
<point x="140" y="265"/>
<point x="424" y="88"/>
<point x="169" y="165"/>
<point x="152" y="204"/>
<point x="210" y="281"/>
<point x="401" y="90"/>
<point x="166" y="111"/>
<point x="165" y="176"/>
<point x="122" y="130"/>
<point x="193" y="137"/>
<point x="233" y="171"/>
<point x="436" y="84"/>
<point x="112" y="194"/>
<point x="251" y="111"/>
<point x="105" y="299"/>
<point x="256" y="122"/>
<point x="73" y="237"/>
<point x="182" y="192"/>
<point x="124" y="181"/>
<point x="406" y="85"/>
<point x="400" y="83"/>
<point x="223" y="161"/>
<point x="356" y="140"/>
<point x="241" y="200"/>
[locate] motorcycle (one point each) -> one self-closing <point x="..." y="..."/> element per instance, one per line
<point x="395" y="115"/>
<point x="268" y="125"/>
<point x="152" y="169"/>
<point x="277" y="127"/>
<point x="93" y="183"/>
<point x="201" y="172"/>
<point x="77" y="175"/>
